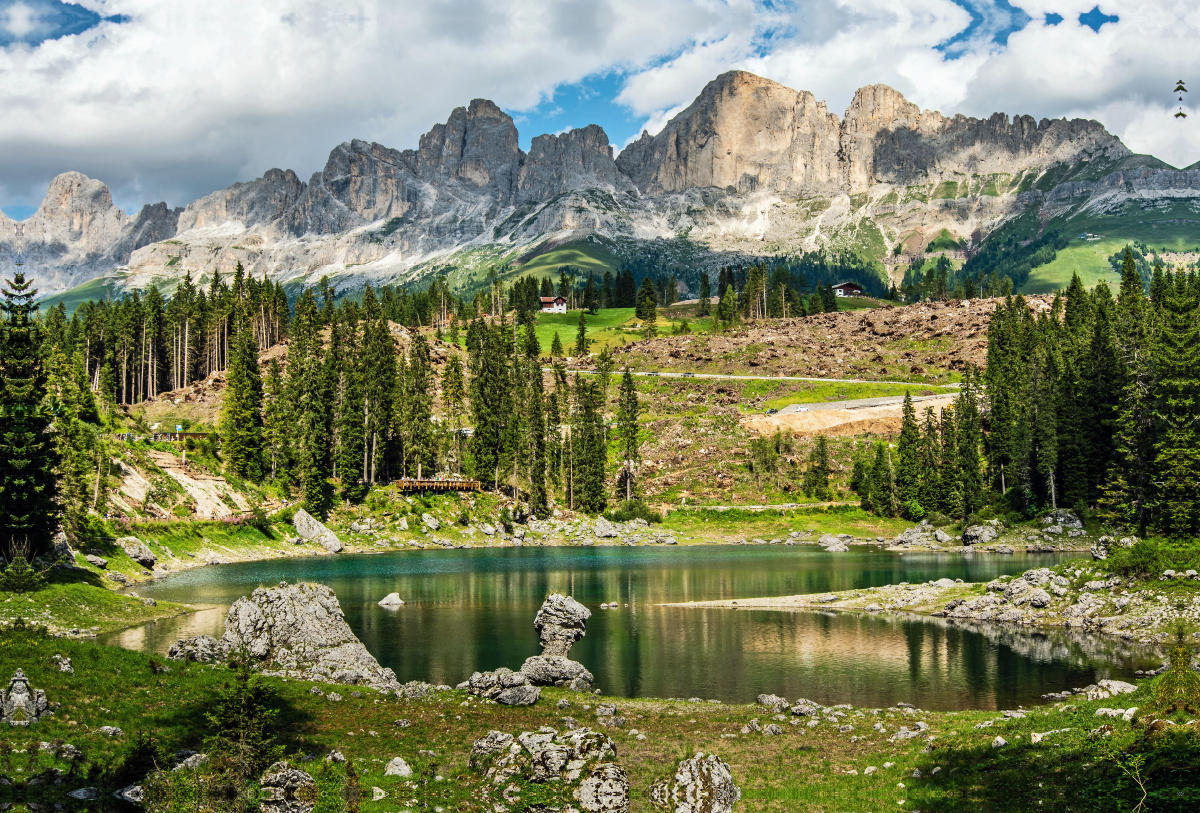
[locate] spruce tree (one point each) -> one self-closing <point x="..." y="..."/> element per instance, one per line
<point x="647" y="308"/>
<point x="581" y="339"/>
<point x="1128" y="490"/>
<point x="969" y="445"/>
<point x="1177" y="411"/>
<point x="241" y="415"/>
<point x="949" y="484"/>
<point x="418" y="426"/>
<point x="883" y="500"/>
<point x="349" y="463"/>
<point x="816" y="475"/>
<point x="702" y="307"/>
<point x="589" y="448"/>
<point x="278" y="425"/>
<point x="556" y="347"/>
<point x="453" y="395"/>
<point x="28" y="486"/>
<point x="489" y="406"/>
<point x="628" y="442"/>
<point x="908" y="473"/>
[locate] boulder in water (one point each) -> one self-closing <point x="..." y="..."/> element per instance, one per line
<point x="560" y="623"/>
<point x="391" y="600"/>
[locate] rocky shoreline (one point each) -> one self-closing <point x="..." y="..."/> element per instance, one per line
<point x="1073" y="595"/>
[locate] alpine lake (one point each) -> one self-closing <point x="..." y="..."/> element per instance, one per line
<point x="468" y="610"/>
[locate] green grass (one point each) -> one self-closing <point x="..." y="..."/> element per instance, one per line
<point x="585" y="255"/>
<point x="803" y="768"/>
<point x="1176" y="228"/>
<point x="943" y="241"/>
<point x="712" y="524"/>
<point x="605" y="327"/>
<point x="74" y="600"/>
<point x="812" y="392"/>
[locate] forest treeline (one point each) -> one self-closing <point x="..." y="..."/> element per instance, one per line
<point x="1092" y="404"/>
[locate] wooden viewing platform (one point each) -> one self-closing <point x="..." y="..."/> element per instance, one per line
<point x="410" y="484"/>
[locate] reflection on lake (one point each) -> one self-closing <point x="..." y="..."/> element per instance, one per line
<point x="469" y="610"/>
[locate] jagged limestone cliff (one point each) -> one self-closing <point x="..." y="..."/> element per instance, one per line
<point x="751" y="167"/>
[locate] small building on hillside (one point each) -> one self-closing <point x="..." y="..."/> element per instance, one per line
<point x="847" y="289"/>
<point x="554" y="304"/>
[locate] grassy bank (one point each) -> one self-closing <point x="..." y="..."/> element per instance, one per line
<point x="818" y="762"/>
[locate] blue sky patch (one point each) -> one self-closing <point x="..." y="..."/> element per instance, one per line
<point x="16" y="212"/>
<point x="1053" y="19"/>
<point x="590" y="101"/>
<point x="1096" y="18"/>
<point x="994" y="20"/>
<point x="32" y="22"/>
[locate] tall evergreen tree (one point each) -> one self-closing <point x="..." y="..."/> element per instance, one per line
<point x="1177" y="412"/>
<point x="453" y="397"/>
<point x="581" y="339"/>
<point x="556" y="347"/>
<point x="629" y="444"/>
<point x="816" y="475"/>
<point x="908" y="473"/>
<point x="28" y="487"/>
<point x="278" y="425"/>
<point x="418" y="426"/>
<point x="969" y="445"/>
<point x="647" y="308"/>
<point x="1129" y="485"/>
<point x="590" y="450"/>
<point x="241" y="421"/>
<point x="702" y="307"/>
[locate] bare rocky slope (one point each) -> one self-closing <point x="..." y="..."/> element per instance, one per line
<point x="751" y="168"/>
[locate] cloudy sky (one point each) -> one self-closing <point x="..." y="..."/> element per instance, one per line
<point x="172" y="100"/>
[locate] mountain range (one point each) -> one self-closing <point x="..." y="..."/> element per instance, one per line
<point x="750" y="169"/>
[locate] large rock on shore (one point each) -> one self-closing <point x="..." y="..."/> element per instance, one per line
<point x="576" y="768"/>
<point x="294" y="631"/>
<point x="549" y="670"/>
<point x="287" y="790"/>
<point x="560" y="623"/>
<point x="313" y="530"/>
<point x="136" y="550"/>
<point x="700" y="784"/>
<point x="981" y="534"/>
<point x="505" y="686"/>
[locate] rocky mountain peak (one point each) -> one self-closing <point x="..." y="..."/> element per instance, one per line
<point x="476" y="146"/>
<point x="577" y="159"/>
<point x="743" y="133"/>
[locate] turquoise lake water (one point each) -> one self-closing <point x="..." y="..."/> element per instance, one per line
<point x="470" y="610"/>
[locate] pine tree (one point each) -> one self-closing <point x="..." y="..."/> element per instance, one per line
<point x="908" y="473"/>
<point x="453" y="396"/>
<point x="307" y="394"/>
<point x="589" y="448"/>
<point x="489" y="405"/>
<point x="349" y="457"/>
<point x="241" y="415"/>
<point x="647" y="308"/>
<point x="418" y="426"/>
<point x="1128" y="491"/>
<point x="379" y="384"/>
<point x="949" y="485"/>
<point x="1177" y="410"/>
<point x="28" y="487"/>
<point x="556" y="347"/>
<point x="705" y="295"/>
<point x="883" y="500"/>
<point x="727" y="307"/>
<point x="629" y="444"/>
<point x="816" y="476"/>
<point x="581" y="339"/>
<point x="278" y="425"/>
<point x="969" y="443"/>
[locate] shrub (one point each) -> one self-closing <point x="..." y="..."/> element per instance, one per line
<point x="1142" y="560"/>
<point x="633" y="509"/>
